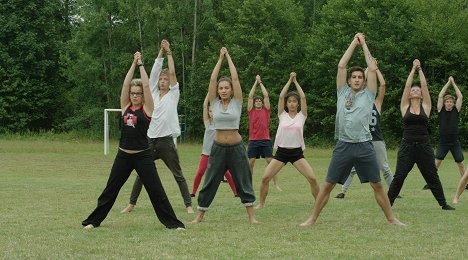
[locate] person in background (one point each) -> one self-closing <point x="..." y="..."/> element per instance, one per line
<point x="259" y="127"/>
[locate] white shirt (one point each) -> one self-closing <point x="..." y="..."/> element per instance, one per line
<point x="290" y="131"/>
<point x="165" y="120"/>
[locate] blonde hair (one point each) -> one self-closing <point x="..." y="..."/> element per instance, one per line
<point x="449" y="97"/>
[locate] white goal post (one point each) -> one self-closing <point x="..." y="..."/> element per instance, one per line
<point x="106" y="127"/>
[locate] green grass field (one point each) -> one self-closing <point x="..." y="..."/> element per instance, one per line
<point x="49" y="186"/>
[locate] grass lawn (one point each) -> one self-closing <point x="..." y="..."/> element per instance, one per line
<point x="49" y="186"/>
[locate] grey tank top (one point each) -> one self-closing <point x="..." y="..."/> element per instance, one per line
<point x="226" y="119"/>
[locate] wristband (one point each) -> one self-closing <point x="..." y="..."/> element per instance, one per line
<point x="139" y="65"/>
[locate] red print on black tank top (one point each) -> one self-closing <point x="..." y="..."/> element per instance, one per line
<point x="130" y="120"/>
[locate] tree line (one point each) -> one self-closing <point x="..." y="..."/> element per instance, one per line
<point x="64" y="61"/>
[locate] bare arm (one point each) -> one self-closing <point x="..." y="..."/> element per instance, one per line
<point x="404" y="102"/>
<point x="341" y="74"/>
<point x="251" y="95"/>
<point x="302" y="95"/>
<point x="283" y="93"/>
<point x="459" y="103"/>
<point x="124" y="94"/>
<point x="236" y="87"/>
<point x="426" y="102"/>
<point x="212" y="88"/>
<point x="148" y="98"/>
<point x="440" y="98"/>
<point x="266" y="98"/>
<point x="371" y="66"/>
<point x="206" y="112"/>
<point x="381" y="93"/>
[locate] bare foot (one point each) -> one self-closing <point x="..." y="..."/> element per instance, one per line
<point x="396" y="222"/>
<point x="278" y="188"/>
<point x="308" y="222"/>
<point x="90" y="226"/>
<point x="128" y="209"/>
<point x="253" y="221"/>
<point x="260" y="206"/>
<point x="455" y="200"/>
<point x="190" y="210"/>
<point x="198" y="218"/>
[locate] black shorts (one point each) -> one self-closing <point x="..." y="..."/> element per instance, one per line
<point x="260" y="148"/>
<point x="286" y="155"/>
<point x="454" y="148"/>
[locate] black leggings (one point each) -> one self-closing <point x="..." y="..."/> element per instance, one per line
<point x="421" y="153"/>
<point x="124" y="164"/>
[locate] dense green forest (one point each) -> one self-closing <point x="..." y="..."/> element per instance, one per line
<point x="63" y="61"/>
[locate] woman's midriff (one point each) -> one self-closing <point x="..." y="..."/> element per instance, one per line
<point x="227" y="136"/>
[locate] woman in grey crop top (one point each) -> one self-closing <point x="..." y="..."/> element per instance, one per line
<point x="228" y="151"/>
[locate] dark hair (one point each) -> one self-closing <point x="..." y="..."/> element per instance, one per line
<point x="258" y="97"/>
<point x="356" y="68"/>
<point x="291" y="94"/>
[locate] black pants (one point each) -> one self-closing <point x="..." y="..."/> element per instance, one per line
<point x="124" y="164"/>
<point x="164" y="148"/>
<point x="422" y="154"/>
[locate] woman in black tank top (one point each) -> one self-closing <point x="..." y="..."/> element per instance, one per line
<point x="415" y="147"/>
<point x="137" y="105"/>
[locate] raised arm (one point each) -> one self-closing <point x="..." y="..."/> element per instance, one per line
<point x="440" y="98"/>
<point x="156" y="70"/>
<point x="302" y="95"/>
<point x="404" y="102"/>
<point x="342" y="74"/>
<point x="283" y="93"/>
<point x="206" y="112"/>
<point x="371" y="66"/>
<point x="236" y="87"/>
<point x="148" y="97"/>
<point x="250" y="100"/>
<point x="426" y="102"/>
<point x="266" y="98"/>
<point x="125" y="93"/>
<point x="381" y="93"/>
<point x="459" y="102"/>
<point x="213" y="87"/>
<point x="170" y="64"/>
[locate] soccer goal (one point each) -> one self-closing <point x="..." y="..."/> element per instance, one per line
<point x="106" y="127"/>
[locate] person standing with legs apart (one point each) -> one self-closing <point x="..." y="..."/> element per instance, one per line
<point x="137" y="105"/>
<point x="354" y="146"/>
<point x="259" y="127"/>
<point x="228" y="151"/>
<point x="415" y="146"/>
<point x="461" y="186"/>
<point x="208" y="139"/>
<point x="377" y="139"/>
<point x="289" y="141"/>
<point x="448" y="127"/>
<point x="164" y="127"/>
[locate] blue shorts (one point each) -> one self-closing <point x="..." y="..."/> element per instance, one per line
<point x="260" y="148"/>
<point x="360" y="155"/>
<point x="454" y="148"/>
<point x="285" y="155"/>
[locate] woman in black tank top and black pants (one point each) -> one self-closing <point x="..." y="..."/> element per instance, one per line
<point x="415" y="146"/>
<point x="137" y="106"/>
